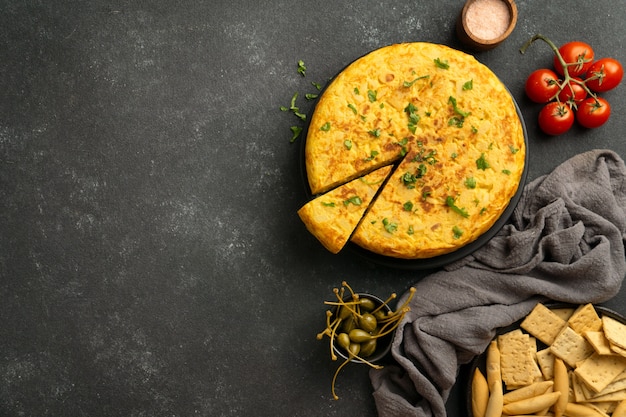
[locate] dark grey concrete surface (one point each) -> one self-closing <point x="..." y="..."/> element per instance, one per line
<point x="151" y="259"/>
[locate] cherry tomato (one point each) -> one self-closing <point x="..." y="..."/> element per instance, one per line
<point x="556" y="118"/>
<point x="542" y="85"/>
<point x="604" y="75"/>
<point x="579" y="57"/>
<point x="573" y="92"/>
<point x="593" y="112"/>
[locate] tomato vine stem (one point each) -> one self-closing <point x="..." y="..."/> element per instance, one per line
<point x="567" y="78"/>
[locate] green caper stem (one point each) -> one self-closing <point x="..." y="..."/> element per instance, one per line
<point x="332" y="340"/>
<point x="326" y="331"/>
<point x="408" y="299"/>
<point x="385" y="329"/>
<point x="332" y="386"/>
<point x="385" y="303"/>
<point x="341" y="303"/>
<point x="345" y="285"/>
<point x="365" y="361"/>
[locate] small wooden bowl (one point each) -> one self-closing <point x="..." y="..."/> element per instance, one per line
<point x="472" y="18"/>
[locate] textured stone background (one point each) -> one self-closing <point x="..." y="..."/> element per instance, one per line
<point x="151" y="259"/>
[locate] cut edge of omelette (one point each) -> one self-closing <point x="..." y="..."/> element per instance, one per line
<point x="333" y="216"/>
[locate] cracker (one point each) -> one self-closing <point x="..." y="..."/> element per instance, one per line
<point x="598" y="371"/>
<point x="564" y="313"/>
<point x="542" y="323"/>
<point x="545" y="359"/>
<point x="615" y="331"/>
<point x="599" y="342"/>
<point x="581" y="393"/>
<point x="571" y="347"/>
<point x="585" y="318"/>
<point x="536" y="370"/>
<point x="516" y="361"/>
<point x="618" y="350"/>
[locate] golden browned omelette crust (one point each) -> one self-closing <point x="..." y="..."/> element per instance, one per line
<point x="332" y="217"/>
<point x="447" y="121"/>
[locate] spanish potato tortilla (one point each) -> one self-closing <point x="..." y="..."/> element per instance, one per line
<point x="446" y="124"/>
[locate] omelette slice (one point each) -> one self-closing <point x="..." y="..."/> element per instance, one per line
<point x="333" y="216"/>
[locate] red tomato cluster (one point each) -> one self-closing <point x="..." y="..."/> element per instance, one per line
<point x="570" y="89"/>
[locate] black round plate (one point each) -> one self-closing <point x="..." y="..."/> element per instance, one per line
<point x="437" y="261"/>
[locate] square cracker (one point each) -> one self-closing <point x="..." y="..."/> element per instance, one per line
<point x="599" y="342"/>
<point x="543" y="324"/>
<point x="598" y="371"/>
<point x="516" y="360"/>
<point x="615" y="331"/>
<point x="585" y="318"/>
<point x="545" y="359"/>
<point x="571" y="347"/>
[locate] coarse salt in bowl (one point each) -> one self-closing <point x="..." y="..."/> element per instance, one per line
<point x="484" y="24"/>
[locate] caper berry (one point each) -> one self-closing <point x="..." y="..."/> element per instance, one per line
<point x="354" y="349"/>
<point x="380" y="315"/>
<point x="359" y="335"/>
<point x="348" y="324"/>
<point x="343" y="340"/>
<point x="343" y="312"/>
<point x="368" y="322"/>
<point x="368" y="348"/>
<point x="367" y="304"/>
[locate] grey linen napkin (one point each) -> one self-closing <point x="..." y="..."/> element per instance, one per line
<point x="564" y="242"/>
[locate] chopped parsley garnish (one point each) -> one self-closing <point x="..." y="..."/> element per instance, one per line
<point x="325" y="127"/>
<point x="457" y="232"/>
<point x="408" y="206"/>
<point x="294" y="109"/>
<point x="410" y="231"/>
<point x="295" y="130"/>
<point x="468" y="85"/>
<point x="348" y="144"/>
<point x="429" y="157"/>
<point x="330" y="204"/>
<point x="481" y="163"/>
<point x="450" y="203"/>
<point x="408" y="84"/>
<point x="316" y="85"/>
<point x="426" y="194"/>
<point x="310" y="96"/>
<point x="506" y="172"/>
<point x="373" y="155"/>
<point x="389" y="226"/>
<point x="414" y="118"/>
<point x="441" y="64"/>
<point x="456" y="108"/>
<point x="356" y="200"/>
<point x="402" y="144"/>
<point x="460" y="116"/>
<point x="408" y="180"/>
<point x="513" y="149"/>
<point x="421" y="170"/>
<point x="375" y="133"/>
<point x="356" y="91"/>
<point x="371" y="95"/>
<point x="470" y="182"/>
<point x="456" y="121"/>
<point x="353" y="108"/>
<point x="301" y="68"/>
